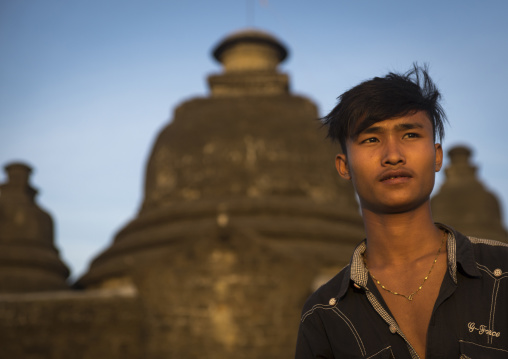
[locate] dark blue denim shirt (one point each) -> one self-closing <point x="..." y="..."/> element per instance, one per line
<point x="347" y="317"/>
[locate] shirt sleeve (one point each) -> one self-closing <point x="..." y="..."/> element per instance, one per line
<point x="312" y="342"/>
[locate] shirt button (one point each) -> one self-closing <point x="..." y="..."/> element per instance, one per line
<point x="332" y="301"/>
<point x="393" y="329"/>
<point x="497" y="272"/>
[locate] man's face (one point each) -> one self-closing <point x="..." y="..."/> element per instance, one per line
<point x="392" y="163"/>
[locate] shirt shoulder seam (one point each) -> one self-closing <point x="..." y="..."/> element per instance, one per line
<point x="489" y="242"/>
<point x="313" y="309"/>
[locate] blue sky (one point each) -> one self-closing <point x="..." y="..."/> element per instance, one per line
<point x="86" y="86"/>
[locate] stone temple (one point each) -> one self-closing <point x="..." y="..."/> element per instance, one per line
<point x="243" y="217"/>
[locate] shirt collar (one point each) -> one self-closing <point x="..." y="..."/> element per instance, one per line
<point x="461" y="252"/>
<point x="459" y="248"/>
<point x="358" y="274"/>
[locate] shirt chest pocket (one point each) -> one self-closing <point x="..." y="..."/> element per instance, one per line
<point x="469" y="350"/>
<point x="385" y="353"/>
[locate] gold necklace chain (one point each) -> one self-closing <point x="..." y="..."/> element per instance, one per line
<point x="411" y="296"/>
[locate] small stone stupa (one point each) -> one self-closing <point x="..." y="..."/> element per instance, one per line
<point x="463" y="202"/>
<point x="28" y="258"/>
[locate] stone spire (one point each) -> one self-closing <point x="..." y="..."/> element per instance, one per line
<point x="250" y="59"/>
<point x="463" y="202"/>
<point x="29" y="260"/>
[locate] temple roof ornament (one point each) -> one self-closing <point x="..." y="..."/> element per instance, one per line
<point x="250" y="59"/>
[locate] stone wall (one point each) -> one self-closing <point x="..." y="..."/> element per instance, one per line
<point x="67" y="324"/>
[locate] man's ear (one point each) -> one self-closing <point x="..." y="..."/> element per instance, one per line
<point x="439" y="156"/>
<point x="342" y="166"/>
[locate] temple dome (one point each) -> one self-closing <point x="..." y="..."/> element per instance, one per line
<point x="252" y="155"/>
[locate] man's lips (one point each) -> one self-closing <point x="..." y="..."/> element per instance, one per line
<point x="395" y="176"/>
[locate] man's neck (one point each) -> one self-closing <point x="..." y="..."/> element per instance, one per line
<point x="400" y="238"/>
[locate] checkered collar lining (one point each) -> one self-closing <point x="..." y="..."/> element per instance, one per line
<point x="359" y="275"/>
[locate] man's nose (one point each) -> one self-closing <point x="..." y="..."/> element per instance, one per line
<point x="393" y="153"/>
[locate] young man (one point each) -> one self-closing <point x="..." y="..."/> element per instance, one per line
<point x="413" y="288"/>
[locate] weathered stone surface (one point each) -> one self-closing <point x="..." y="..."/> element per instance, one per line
<point x="231" y="296"/>
<point x="464" y="203"/>
<point x="66" y="324"/>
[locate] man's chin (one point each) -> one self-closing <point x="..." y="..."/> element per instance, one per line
<point x="395" y="207"/>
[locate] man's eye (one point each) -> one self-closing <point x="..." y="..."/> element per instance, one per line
<point x="370" y="140"/>
<point x="411" y="135"/>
